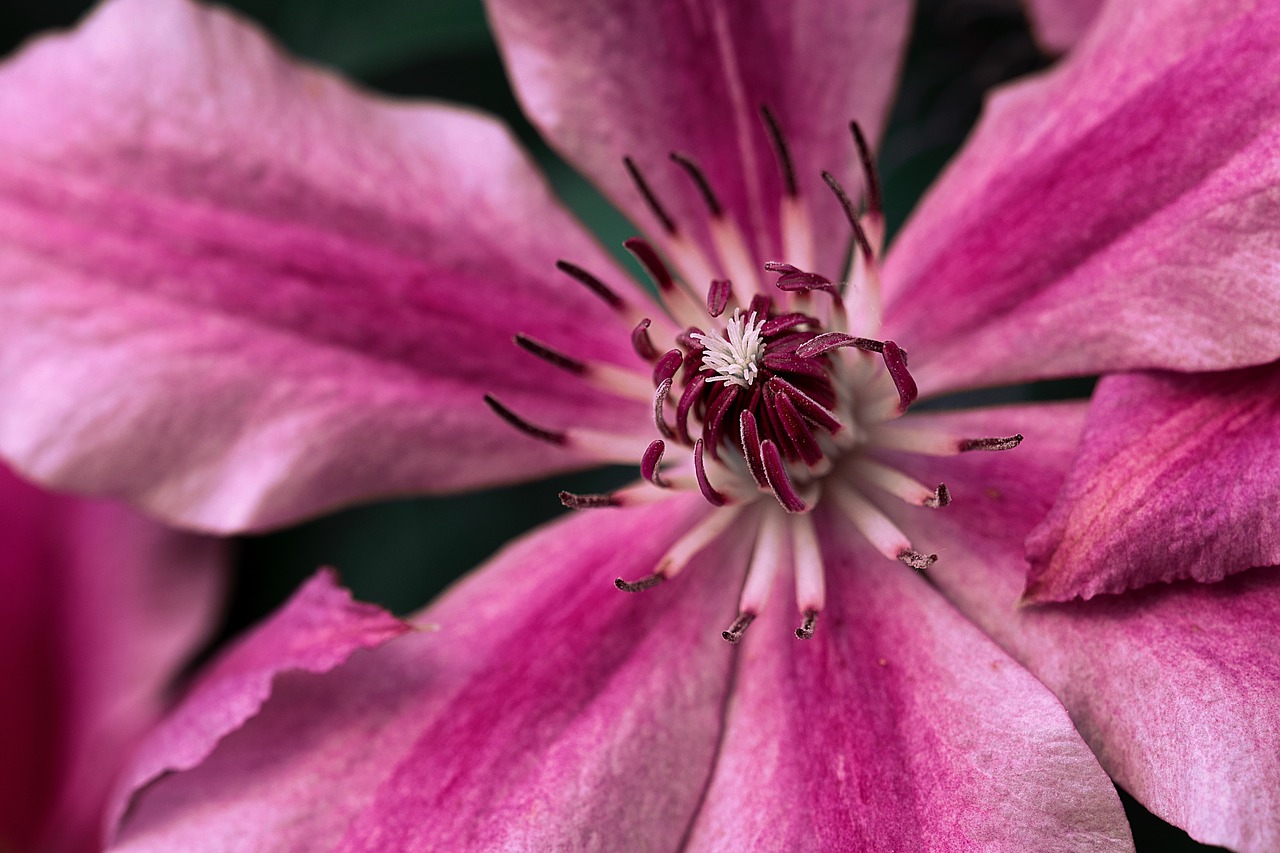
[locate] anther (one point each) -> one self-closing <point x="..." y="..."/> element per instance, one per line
<point x="941" y="497"/>
<point x="872" y="177"/>
<point x="653" y="265"/>
<point x="659" y="399"/>
<point x="968" y="444"/>
<point x="828" y="341"/>
<point x="599" y="501"/>
<point x="739" y="627"/>
<point x="646" y="582"/>
<point x="651" y="463"/>
<point x="916" y="560"/>
<point x="700" y="471"/>
<point x="749" y="432"/>
<point x="704" y="187"/>
<point x="779" y="480"/>
<point x="718" y="296"/>
<point x="895" y="360"/>
<point x="805" y="631"/>
<point x="646" y="192"/>
<point x="595" y="285"/>
<point x="780" y="150"/>
<point x="851" y="213"/>
<point x="549" y="355"/>
<point x="521" y="424"/>
<point x="792" y="279"/>
<point x="666" y="367"/>
<point x="641" y="342"/>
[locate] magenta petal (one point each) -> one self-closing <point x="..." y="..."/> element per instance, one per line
<point x="643" y="79"/>
<point x="100" y="609"/>
<point x="1176" y="479"/>
<point x="535" y="688"/>
<point x="1173" y="687"/>
<point x="1059" y="24"/>
<point x="1121" y="212"/>
<point x="238" y="291"/>
<point x="898" y="720"/>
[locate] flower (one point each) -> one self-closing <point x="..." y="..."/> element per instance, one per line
<point x="101" y="609"/>
<point x="260" y="294"/>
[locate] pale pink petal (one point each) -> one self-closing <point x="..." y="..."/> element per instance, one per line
<point x="100" y="610"/>
<point x="538" y="706"/>
<point x="1176" y="479"/>
<point x="898" y="720"/>
<point x="1120" y="212"/>
<point x="1174" y="687"/>
<point x="1059" y="24"/>
<point x="238" y="291"/>
<point x="644" y="78"/>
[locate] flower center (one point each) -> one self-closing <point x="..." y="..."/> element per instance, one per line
<point x="735" y="358"/>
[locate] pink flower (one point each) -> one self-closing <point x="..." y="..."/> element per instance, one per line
<point x="100" y="610"/>
<point x="259" y="294"/>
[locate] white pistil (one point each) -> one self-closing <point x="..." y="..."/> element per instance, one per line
<point x="735" y="361"/>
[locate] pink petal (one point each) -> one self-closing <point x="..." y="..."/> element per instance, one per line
<point x="540" y="706"/>
<point x="238" y="291"/>
<point x="100" y="610"/>
<point x="641" y="78"/>
<point x="1059" y="24"/>
<point x="1173" y="687"/>
<point x="1120" y="212"/>
<point x="1176" y="479"/>
<point x="898" y="720"/>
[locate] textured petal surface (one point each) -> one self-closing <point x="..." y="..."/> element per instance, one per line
<point x="1174" y="687"/>
<point x="542" y="707"/>
<point x="641" y="78"/>
<point x="1059" y="24"/>
<point x="1120" y="212"/>
<point x="238" y="291"/>
<point x="898" y="720"/>
<point x="100" y="610"/>
<point x="1176" y="479"/>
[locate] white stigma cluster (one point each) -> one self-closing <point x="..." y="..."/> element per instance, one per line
<point x="736" y="360"/>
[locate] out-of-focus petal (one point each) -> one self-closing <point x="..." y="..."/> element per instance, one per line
<point x="1176" y="479"/>
<point x="238" y="291"/>
<point x="1059" y="24"/>
<point x="1121" y="212"/>
<point x="898" y="720"/>
<point x="100" y="609"/>
<point x="643" y="79"/>
<point x="542" y="707"/>
<point x="1174" y="687"/>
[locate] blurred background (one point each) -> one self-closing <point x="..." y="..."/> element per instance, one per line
<point x="401" y="554"/>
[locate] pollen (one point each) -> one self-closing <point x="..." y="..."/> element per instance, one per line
<point x="735" y="358"/>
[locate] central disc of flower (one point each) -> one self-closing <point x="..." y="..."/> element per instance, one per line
<point x="735" y="358"/>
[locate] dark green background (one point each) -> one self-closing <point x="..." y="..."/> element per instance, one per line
<point x="401" y="554"/>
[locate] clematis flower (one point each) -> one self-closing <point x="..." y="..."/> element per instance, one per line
<point x="262" y="293"/>
<point x="101" y="608"/>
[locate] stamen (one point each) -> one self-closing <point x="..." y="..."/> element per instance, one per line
<point x="795" y="427"/>
<point x="666" y="367"/>
<point x="786" y="322"/>
<point x="807" y="405"/>
<point x="668" y="224"/>
<point x="749" y="431"/>
<point x="828" y="341"/>
<point x="595" y="285"/>
<point x="708" y="491"/>
<point x="896" y="362"/>
<point x="739" y="627"/>
<point x="882" y="533"/>
<point x="779" y="480"/>
<point x="659" y="398"/>
<point x="900" y="485"/>
<point x="869" y="172"/>
<point x="700" y="180"/>
<point x="676" y="298"/>
<point x="851" y="213"/>
<point x="651" y="463"/>
<point x="692" y="392"/>
<point x="606" y="377"/>
<point x="599" y="501"/>
<point x="642" y="343"/>
<point x="793" y="279"/>
<point x="638" y="494"/>
<point x="780" y="150"/>
<point x="524" y="426"/>
<point x="684" y="549"/>
<point x="718" y="296"/>
<point x="916" y="560"/>
<point x="929" y="443"/>
<point x="549" y="355"/>
<point x="990" y="443"/>
<point x="805" y="631"/>
<point x="810" y="574"/>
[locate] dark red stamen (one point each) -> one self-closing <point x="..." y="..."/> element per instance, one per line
<point x="646" y="582"/>
<point x="797" y="430"/>
<point x="808" y="406"/>
<point x="708" y="491"/>
<point x="786" y="322"/>
<point x="794" y="279"/>
<point x="652" y="263"/>
<point x="718" y="296"/>
<point x="659" y="399"/>
<point x="666" y="367"/>
<point x="704" y="186"/>
<point x="713" y="424"/>
<point x="779" y="481"/>
<point x="805" y="631"/>
<point x="968" y="444"/>
<point x="735" y="631"/>
<point x="651" y="462"/>
<point x="523" y="425"/>
<point x="828" y="341"/>
<point x="549" y="355"/>
<point x="641" y="341"/>
<point x="572" y="501"/>
<point x="895" y="361"/>
<point x="851" y="213"/>
<point x="780" y="150"/>
<point x="690" y="396"/>
<point x="749" y="431"/>
<point x="869" y="172"/>
<point x="595" y="285"/>
<point x="916" y="560"/>
<point x="668" y="224"/>
<point x="761" y="305"/>
<point x="941" y="497"/>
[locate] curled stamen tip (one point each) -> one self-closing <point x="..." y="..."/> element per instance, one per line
<point x="573" y="501"/>
<point x="990" y="443"/>
<point x="941" y="497"/>
<point x="916" y="560"/>
<point x="646" y="582"/>
<point x="734" y="632"/>
<point x="805" y="631"/>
